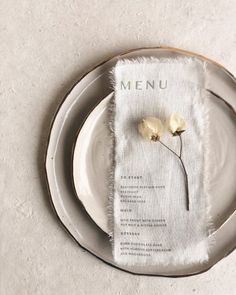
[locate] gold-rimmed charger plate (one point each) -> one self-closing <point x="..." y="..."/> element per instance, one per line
<point x="87" y="93"/>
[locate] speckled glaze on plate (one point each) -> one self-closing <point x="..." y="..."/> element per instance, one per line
<point x="81" y="100"/>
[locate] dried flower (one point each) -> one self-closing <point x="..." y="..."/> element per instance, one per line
<point x="177" y="124"/>
<point x="151" y="128"/>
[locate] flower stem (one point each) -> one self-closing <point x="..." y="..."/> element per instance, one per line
<point x="185" y="172"/>
<point x="181" y="145"/>
<point x="183" y="167"/>
<point x="173" y="152"/>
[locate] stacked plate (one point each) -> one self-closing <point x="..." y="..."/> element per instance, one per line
<point x="77" y="162"/>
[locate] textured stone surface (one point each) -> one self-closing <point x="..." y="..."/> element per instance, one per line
<point x="44" y="47"/>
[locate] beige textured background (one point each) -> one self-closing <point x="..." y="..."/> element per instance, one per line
<point x="44" y="47"/>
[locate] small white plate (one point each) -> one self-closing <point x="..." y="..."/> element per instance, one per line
<point x="81" y="100"/>
<point x="92" y="163"/>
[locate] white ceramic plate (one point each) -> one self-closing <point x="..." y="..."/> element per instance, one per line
<point x="81" y="100"/>
<point x="91" y="162"/>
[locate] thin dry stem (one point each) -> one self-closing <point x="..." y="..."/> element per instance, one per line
<point x="183" y="167"/>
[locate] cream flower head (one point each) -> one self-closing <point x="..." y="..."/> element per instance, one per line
<point x="151" y="128"/>
<point x="177" y="124"/>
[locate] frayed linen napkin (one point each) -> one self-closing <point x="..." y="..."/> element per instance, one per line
<point x="149" y="220"/>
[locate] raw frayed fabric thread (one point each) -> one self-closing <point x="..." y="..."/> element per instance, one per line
<point x="205" y="124"/>
<point x="111" y="110"/>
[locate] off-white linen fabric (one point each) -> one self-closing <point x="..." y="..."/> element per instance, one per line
<point x="177" y="236"/>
